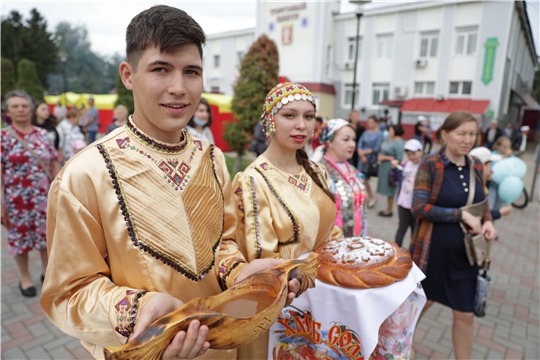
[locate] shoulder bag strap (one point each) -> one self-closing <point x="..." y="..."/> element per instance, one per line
<point x="472" y="182"/>
<point x="27" y="147"/>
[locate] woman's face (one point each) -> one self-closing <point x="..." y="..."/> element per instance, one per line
<point x="391" y="132"/>
<point x="121" y="114"/>
<point x="342" y="146"/>
<point x="295" y="123"/>
<point x="460" y="140"/>
<point x="202" y="113"/>
<point x="42" y="112"/>
<point x="18" y="109"/>
<point x="372" y="124"/>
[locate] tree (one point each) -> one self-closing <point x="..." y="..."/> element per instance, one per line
<point x="125" y="96"/>
<point x="28" y="79"/>
<point x="86" y="71"/>
<point x="29" y="39"/>
<point x="258" y="75"/>
<point x="8" y="76"/>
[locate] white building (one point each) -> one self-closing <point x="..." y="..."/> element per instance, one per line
<point x="427" y="57"/>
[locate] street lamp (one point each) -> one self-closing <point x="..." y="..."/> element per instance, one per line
<point x="63" y="59"/>
<point x="358" y="14"/>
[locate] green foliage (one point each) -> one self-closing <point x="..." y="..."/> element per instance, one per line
<point x="8" y="76"/>
<point x="29" y="39"/>
<point x="230" y="161"/>
<point x="258" y="75"/>
<point x="86" y="71"/>
<point x="536" y="86"/>
<point x="125" y="96"/>
<point x="29" y="80"/>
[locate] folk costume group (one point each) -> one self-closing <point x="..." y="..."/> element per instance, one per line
<point x="147" y="217"/>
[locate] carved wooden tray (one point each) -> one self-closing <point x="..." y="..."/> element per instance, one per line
<point x="234" y="318"/>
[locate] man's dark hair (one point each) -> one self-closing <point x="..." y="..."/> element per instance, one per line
<point x="166" y="27"/>
<point x="319" y="119"/>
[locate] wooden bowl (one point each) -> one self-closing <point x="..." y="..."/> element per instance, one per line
<point x="235" y="317"/>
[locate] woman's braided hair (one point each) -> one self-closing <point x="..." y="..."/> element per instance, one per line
<point x="303" y="160"/>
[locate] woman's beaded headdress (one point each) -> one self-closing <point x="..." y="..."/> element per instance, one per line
<point x="280" y="95"/>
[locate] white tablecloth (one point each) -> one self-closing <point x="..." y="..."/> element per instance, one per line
<point x="336" y="323"/>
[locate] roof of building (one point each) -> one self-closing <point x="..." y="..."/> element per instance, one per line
<point x="445" y="105"/>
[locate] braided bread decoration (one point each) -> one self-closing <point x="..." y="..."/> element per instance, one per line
<point x="362" y="262"/>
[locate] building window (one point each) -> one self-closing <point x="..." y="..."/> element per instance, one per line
<point x="429" y="41"/>
<point x="216" y="61"/>
<point x="351" y="46"/>
<point x="424" y="88"/>
<point x="348" y="91"/>
<point x="466" y="40"/>
<point x="460" y="88"/>
<point x="384" y="46"/>
<point x="380" y="92"/>
<point x="240" y="55"/>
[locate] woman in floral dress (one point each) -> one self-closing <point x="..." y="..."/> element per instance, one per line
<point x="25" y="185"/>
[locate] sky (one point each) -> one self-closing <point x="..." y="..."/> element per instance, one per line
<point x="106" y="21"/>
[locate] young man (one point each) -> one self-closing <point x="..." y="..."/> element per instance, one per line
<point x="144" y="220"/>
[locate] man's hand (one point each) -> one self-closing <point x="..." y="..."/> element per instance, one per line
<point x="262" y="264"/>
<point x="185" y="345"/>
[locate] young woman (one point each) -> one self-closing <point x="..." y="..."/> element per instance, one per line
<point x="42" y="117"/>
<point x="339" y="140"/>
<point x="391" y="150"/>
<point x="285" y="207"/>
<point x="441" y="190"/>
<point x="199" y="125"/>
<point x="368" y="147"/>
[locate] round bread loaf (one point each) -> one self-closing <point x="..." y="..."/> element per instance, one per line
<point x="362" y="262"/>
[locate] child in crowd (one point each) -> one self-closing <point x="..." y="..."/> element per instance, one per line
<point x="414" y="150"/>
<point x="71" y="136"/>
<point x="487" y="158"/>
<point x="502" y="147"/>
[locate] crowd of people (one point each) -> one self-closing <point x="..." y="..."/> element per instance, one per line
<point x="147" y="218"/>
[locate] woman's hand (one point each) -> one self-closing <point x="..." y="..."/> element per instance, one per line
<point x="6" y="221"/>
<point x="186" y="344"/>
<point x="474" y="225"/>
<point x="394" y="163"/>
<point x="489" y="231"/>
<point x="382" y="158"/>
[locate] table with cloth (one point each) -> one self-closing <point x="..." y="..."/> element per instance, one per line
<point x="331" y="322"/>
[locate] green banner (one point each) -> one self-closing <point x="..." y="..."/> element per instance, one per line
<point x="489" y="60"/>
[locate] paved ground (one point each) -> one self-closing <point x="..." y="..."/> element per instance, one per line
<point x="509" y="331"/>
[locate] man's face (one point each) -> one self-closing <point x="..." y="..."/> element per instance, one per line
<point x="166" y="90"/>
